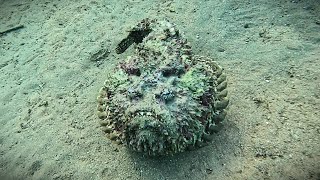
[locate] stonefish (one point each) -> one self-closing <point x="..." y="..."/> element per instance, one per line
<point x="163" y="99"/>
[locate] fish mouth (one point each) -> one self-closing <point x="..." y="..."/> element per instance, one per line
<point x="144" y="132"/>
<point x="144" y="119"/>
<point x="144" y="113"/>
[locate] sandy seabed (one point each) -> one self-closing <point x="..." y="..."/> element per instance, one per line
<point x="50" y="76"/>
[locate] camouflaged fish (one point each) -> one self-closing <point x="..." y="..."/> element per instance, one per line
<point x="163" y="99"/>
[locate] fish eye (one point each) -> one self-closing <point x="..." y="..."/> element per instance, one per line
<point x="131" y="69"/>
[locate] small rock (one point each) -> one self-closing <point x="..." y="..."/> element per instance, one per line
<point x="209" y="170"/>
<point x="220" y="49"/>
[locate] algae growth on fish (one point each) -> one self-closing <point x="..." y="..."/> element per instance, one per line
<point x="163" y="99"/>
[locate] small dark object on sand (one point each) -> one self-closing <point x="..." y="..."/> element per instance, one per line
<point x="11" y="29"/>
